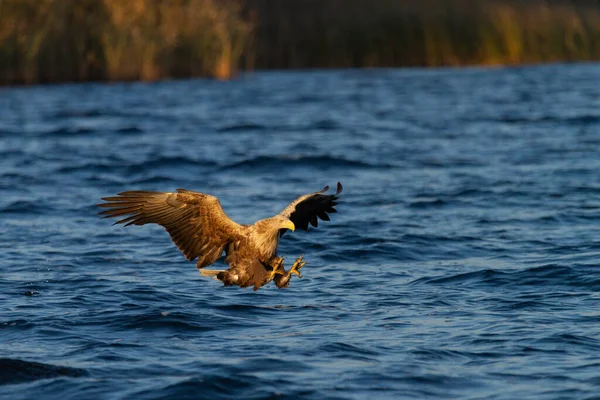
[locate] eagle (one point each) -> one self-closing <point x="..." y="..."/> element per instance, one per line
<point x="200" y="228"/>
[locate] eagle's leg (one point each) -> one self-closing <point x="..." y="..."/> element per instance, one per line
<point x="299" y="263"/>
<point x="282" y="280"/>
<point x="277" y="268"/>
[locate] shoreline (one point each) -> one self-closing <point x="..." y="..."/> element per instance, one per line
<point x="241" y="74"/>
<point x="59" y="41"/>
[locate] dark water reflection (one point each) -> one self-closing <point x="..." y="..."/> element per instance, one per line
<point x="463" y="261"/>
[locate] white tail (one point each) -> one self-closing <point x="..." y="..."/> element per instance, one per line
<point x="210" y="272"/>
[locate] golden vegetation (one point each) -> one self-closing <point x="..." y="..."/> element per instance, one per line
<point x="368" y="33"/>
<point x="80" y="40"/>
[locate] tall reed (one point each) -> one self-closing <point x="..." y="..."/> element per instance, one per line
<point x="369" y="33"/>
<point x="80" y="40"/>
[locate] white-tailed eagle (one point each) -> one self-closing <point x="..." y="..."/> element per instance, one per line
<point x="201" y="229"/>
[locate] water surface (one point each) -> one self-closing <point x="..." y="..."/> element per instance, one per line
<point x="463" y="261"/>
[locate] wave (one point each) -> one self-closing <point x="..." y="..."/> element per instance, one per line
<point x="320" y="125"/>
<point x="588" y="343"/>
<point x="473" y="192"/>
<point x="467" y="277"/>
<point x="69" y="131"/>
<point x="18" y="371"/>
<point x="174" y="321"/>
<point x="545" y="275"/>
<point x="586" y="119"/>
<point x="138" y="167"/>
<point x="441" y="198"/>
<point x="441" y="354"/>
<point x="324" y="125"/>
<point x="72" y="131"/>
<point x="152" y="179"/>
<point x="24" y="207"/>
<point x="322" y="161"/>
<point x="449" y="162"/>
<point x="246" y="127"/>
<point x="226" y="385"/>
<point x="245" y="309"/>
<point x="129" y="129"/>
<point x="341" y="349"/>
<point x="8" y="180"/>
<point x="433" y="239"/>
<point x="89" y="114"/>
<point x="427" y="203"/>
<point x="81" y="113"/>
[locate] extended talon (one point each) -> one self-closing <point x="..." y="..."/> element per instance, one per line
<point x="277" y="269"/>
<point x="296" y="267"/>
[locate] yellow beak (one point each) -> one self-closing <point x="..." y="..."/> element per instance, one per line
<point x="289" y="225"/>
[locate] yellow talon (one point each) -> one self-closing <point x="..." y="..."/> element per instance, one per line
<point x="297" y="265"/>
<point x="277" y="269"/>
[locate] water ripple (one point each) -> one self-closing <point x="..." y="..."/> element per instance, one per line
<point x="18" y="371"/>
<point x="462" y="262"/>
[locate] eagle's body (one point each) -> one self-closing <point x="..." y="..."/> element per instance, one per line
<point x="201" y="229"/>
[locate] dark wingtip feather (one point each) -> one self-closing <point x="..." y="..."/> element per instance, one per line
<point x="339" y="188"/>
<point x="324" y="216"/>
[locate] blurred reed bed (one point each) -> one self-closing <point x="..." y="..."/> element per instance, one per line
<point x="389" y="33"/>
<point x="80" y="40"/>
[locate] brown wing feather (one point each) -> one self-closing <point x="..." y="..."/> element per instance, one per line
<point x="196" y="221"/>
<point x="305" y="209"/>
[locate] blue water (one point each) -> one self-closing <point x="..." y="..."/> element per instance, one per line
<point x="464" y="261"/>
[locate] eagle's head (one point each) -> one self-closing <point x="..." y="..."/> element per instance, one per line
<point x="285" y="223"/>
<point x="273" y="225"/>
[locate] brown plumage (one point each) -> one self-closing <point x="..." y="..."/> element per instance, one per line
<point x="201" y="230"/>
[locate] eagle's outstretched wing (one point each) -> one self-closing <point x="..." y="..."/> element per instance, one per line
<point x="196" y="222"/>
<point x="305" y="209"/>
